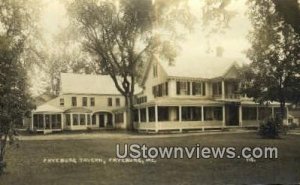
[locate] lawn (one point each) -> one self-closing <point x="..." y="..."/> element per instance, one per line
<point x="25" y="164"/>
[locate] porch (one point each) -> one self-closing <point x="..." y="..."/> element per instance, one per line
<point x="216" y="115"/>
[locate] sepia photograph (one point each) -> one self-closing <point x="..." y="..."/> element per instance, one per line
<point x="142" y="92"/>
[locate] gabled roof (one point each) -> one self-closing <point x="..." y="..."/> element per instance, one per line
<point x="200" y="67"/>
<point x="43" y="98"/>
<point x="47" y="108"/>
<point x="88" y="84"/>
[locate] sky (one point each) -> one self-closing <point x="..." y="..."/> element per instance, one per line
<point x="195" y="44"/>
<point x="233" y="41"/>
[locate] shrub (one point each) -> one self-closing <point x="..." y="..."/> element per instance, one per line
<point x="270" y="128"/>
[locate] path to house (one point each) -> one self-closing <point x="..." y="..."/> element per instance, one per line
<point x="121" y="135"/>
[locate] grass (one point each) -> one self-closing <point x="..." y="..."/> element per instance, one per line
<point x="25" y="164"/>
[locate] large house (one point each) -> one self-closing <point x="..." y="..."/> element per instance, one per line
<point x="186" y="95"/>
<point x="85" y="101"/>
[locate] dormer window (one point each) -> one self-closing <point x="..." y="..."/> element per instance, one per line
<point x="74" y="101"/>
<point x="92" y="102"/>
<point x="84" y="101"/>
<point x="61" y="102"/>
<point x="109" y="102"/>
<point x="182" y="88"/>
<point x="198" y="88"/>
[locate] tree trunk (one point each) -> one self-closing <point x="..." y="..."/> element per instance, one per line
<point x="129" y="112"/>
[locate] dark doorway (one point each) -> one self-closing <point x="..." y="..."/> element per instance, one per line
<point x="232" y="115"/>
<point x="109" y="120"/>
<point x="101" y="120"/>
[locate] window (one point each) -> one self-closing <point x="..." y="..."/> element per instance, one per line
<point x="84" y="101"/>
<point x="143" y="114"/>
<point x="92" y="101"/>
<point x="142" y="99"/>
<point x="82" y="119"/>
<point x="75" y="119"/>
<point x="119" y="118"/>
<point x="155" y="70"/>
<point x="191" y="113"/>
<point x="182" y="88"/>
<point x="88" y="119"/>
<point x="109" y="102"/>
<point x="118" y="102"/>
<point x="74" y="101"/>
<point x="249" y="113"/>
<point x="197" y="88"/>
<point x="47" y="121"/>
<point x="151" y="111"/>
<point x="217" y="88"/>
<point x="160" y="90"/>
<point x="61" y="102"/>
<point x="213" y="113"/>
<point x="94" y="120"/>
<point x="68" y="119"/>
<point x="163" y="113"/>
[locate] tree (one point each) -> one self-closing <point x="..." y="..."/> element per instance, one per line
<point x="274" y="72"/>
<point x="124" y="35"/>
<point x="14" y="96"/>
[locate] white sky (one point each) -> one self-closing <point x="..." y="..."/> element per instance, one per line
<point x="234" y="42"/>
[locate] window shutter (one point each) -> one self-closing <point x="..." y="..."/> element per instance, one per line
<point x="203" y="88"/>
<point x="177" y="88"/>
<point x="188" y="88"/>
<point x="167" y="90"/>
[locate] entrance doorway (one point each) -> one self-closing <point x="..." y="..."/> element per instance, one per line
<point x="101" y="120"/>
<point x="232" y="115"/>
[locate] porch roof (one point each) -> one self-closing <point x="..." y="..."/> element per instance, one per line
<point x="47" y="108"/>
<point x="180" y="102"/>
<point x="78" y="110"/>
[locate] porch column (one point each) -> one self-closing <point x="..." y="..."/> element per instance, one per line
<point x="139" y="115"/>
<point x="287" y="115"/>
<point x="113" y="120"/>
<point x="223" y="89"/>
<point x="156" y="118"/>
<point x="44" y="121"/>
<point x="86" y="115"/>
<point x="273" y="115"/>
<point x="32" y="119"/>
<point x="180" y="113"/>
<point x="147" y="114"/>
<point x="223" y="121"/>
<point x="241" y="115"/>
<point x="202" y="113"/>
<point x="62" y="121"/>
<point x="71" y="120"/>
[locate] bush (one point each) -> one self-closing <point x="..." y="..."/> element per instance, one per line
<point x="271" y="128"/>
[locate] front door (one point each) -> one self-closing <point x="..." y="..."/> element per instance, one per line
<point x="101" y="120"/>
<point x="232" y="115"/>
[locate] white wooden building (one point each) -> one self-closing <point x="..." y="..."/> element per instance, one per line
<point x="190" y="94"/>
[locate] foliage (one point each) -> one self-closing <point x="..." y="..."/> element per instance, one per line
<point x="273" y="74"/>
<point x="271" y="128"/>
<point x="124" y="36"/>
<point x="14" y="97"/>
